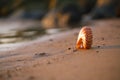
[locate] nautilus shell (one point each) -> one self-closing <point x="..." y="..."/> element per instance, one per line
<point x="84" y="40"/>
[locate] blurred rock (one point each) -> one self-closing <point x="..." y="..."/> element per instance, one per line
<point x="49" y="21"/>
<point x="69" y="15"/>
<point x="105" y="9"/>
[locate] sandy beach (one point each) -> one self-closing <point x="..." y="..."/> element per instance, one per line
<point x="56" y="58"/>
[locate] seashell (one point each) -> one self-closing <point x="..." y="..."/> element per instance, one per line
<point x="84" y="40"/>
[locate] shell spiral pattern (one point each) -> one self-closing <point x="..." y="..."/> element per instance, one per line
<point x="84" y="40"/>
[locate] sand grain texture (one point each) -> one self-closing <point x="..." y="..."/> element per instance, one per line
<point x="57" y="59"/>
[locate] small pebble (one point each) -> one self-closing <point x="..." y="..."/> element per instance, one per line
<point x="103" y="44"/>
<point x="97" y="51"/>
<point x="19" y="60"/>
<point x="31" y="78"/>
<point x="98" y="46"/>
<point x="48" y="62"/>
<point x="69" y="48"/>
<point x="41" y="54"/>
<point x="74" y="50"/>
<point x="102" y="38"/>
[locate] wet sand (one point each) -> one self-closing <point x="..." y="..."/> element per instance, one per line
<point x="55" y="57"/>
